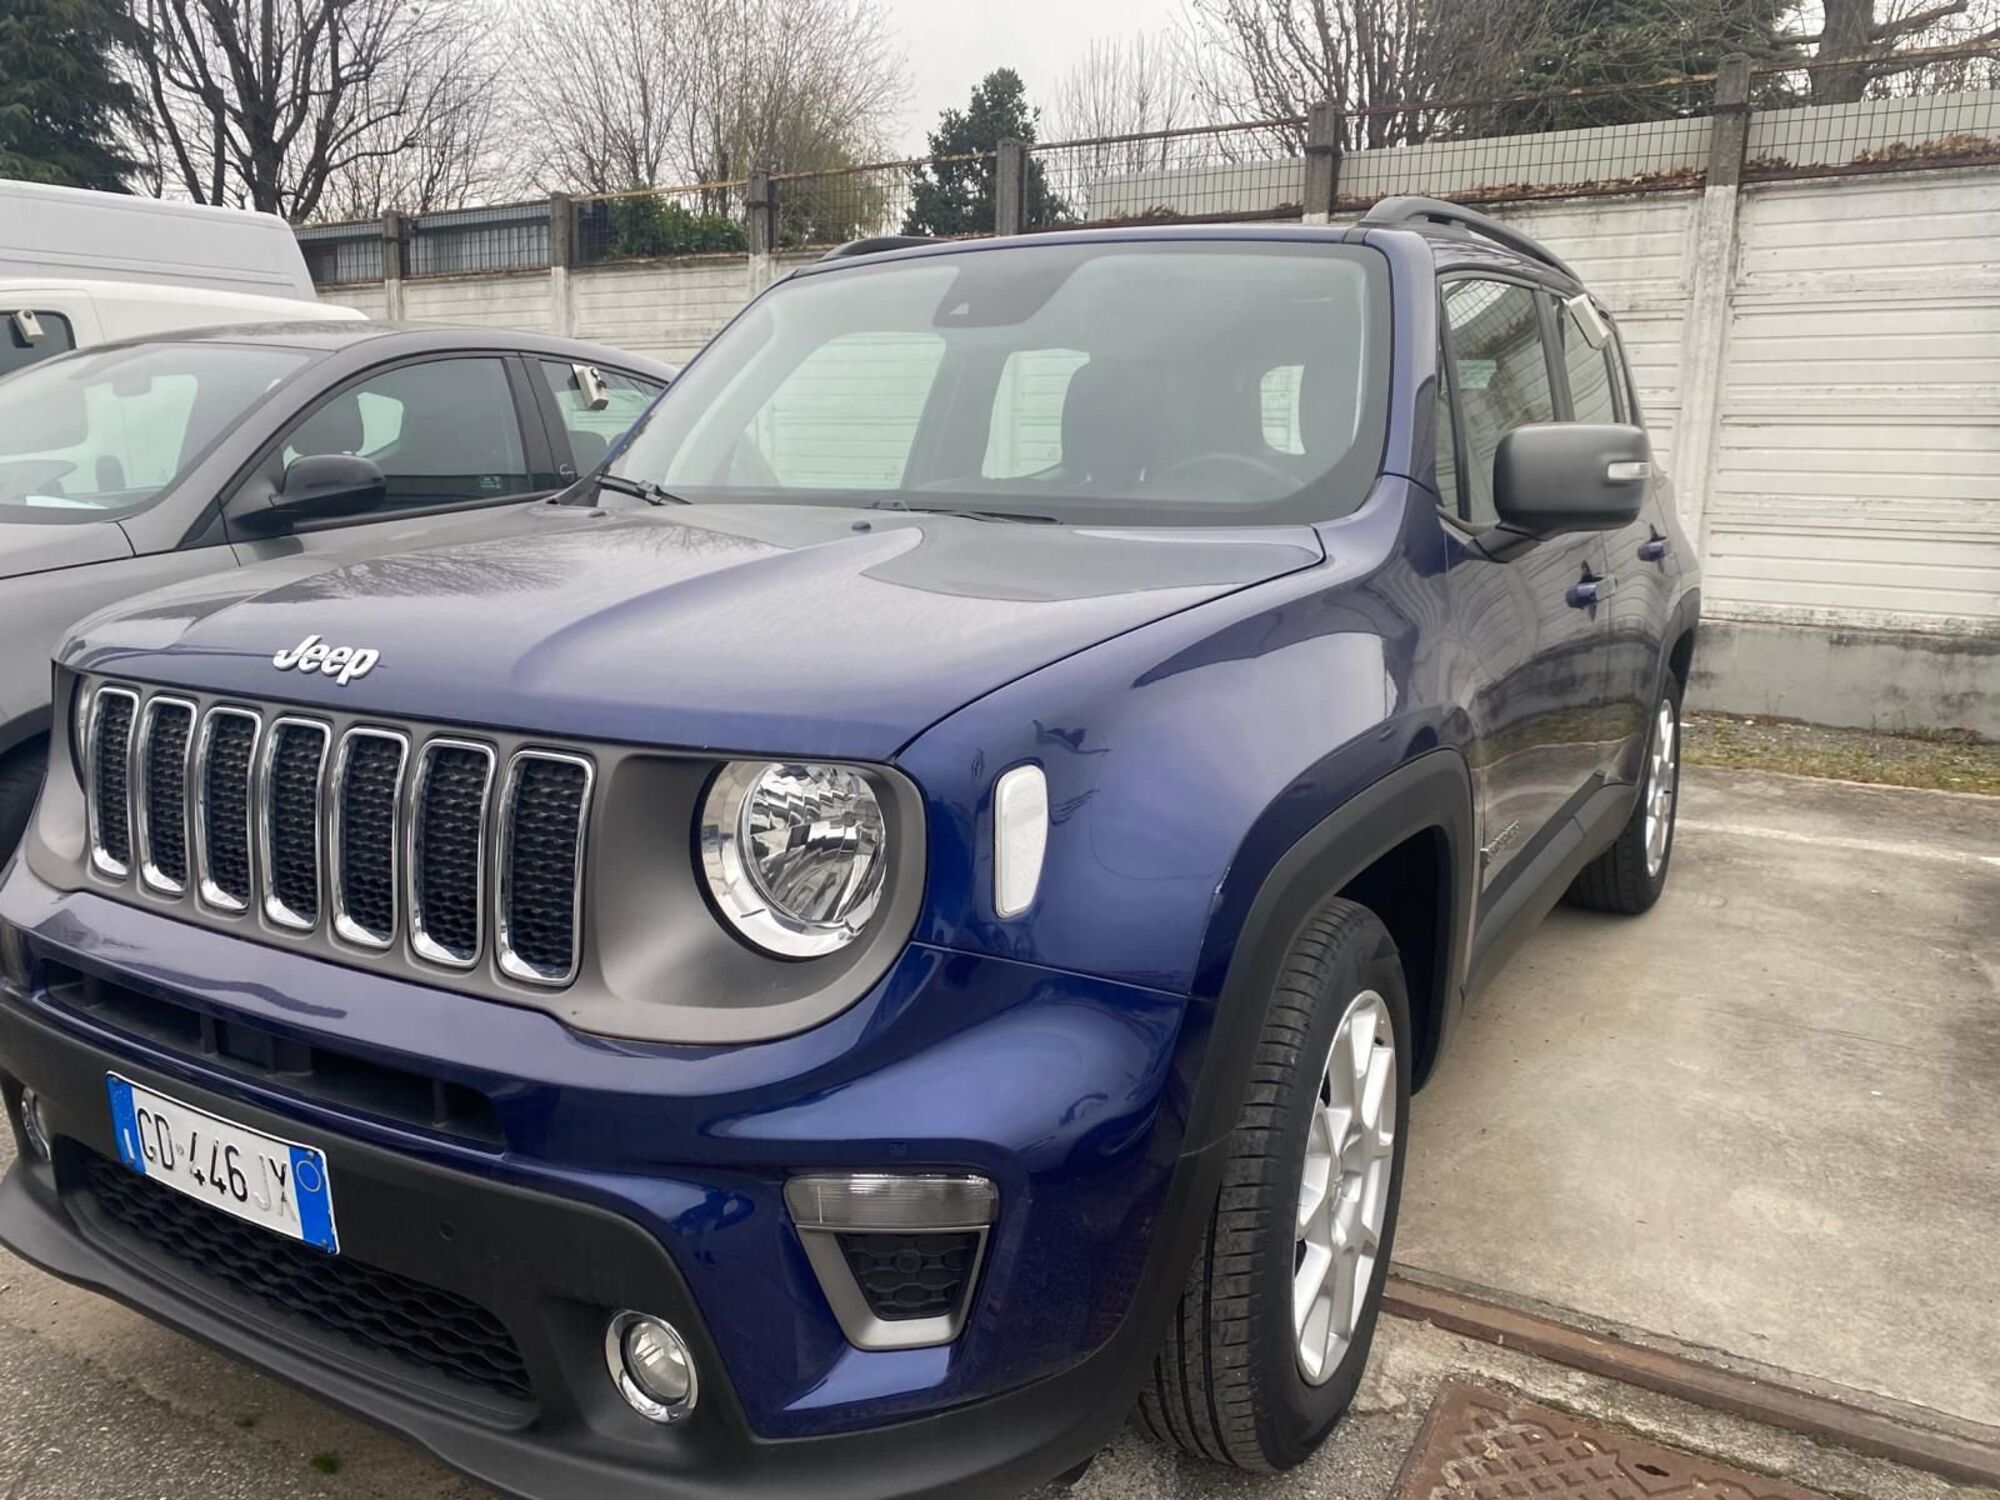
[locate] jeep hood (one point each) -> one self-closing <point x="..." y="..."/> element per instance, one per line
<point x="770" y="629"/>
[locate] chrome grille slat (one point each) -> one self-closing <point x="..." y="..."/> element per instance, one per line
<point x="223" y="767"/>
<point x="449" y="799"/>
<point x="166" y="738"/>
<point x="290" y="821"/>
<point x="364" y="835"/>
<point x="113" y="711"/>
<point x="543" y="814"/>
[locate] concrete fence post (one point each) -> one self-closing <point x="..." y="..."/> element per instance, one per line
<point x="1323" y="152"/>
<point x="1010" y="188"/>
<point x="760" y="206"/>
<point x="1705" y="340"/>
<point x="1730" y="133"/>
<point x="395" y="256"/>
<point x="562" y="255"/>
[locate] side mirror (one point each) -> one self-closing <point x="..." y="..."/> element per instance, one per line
<point x="1553" y="477"/>
<point x="317" y="487"/>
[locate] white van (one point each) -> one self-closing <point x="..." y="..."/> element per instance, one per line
<point x="79" y="268"/>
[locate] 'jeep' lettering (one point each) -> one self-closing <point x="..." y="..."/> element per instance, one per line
<point x="342" y="663"/>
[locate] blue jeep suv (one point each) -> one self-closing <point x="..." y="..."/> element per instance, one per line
<point x="899" y="919"/>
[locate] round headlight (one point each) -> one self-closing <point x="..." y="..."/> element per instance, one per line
<point x="795" y="854"/>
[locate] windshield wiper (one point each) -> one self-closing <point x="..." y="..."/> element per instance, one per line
<point x="1025" y="516"/>
<point x="638" y="489"/>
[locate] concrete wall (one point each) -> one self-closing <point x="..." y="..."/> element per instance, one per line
<point x="1820" y="367"/>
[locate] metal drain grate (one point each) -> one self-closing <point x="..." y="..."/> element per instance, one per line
<point x="1479" y="1444"/>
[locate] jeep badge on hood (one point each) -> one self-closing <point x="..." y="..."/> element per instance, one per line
<point x="342" y="663"/>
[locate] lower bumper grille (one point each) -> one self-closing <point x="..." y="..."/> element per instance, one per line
<point x="424" y="1327"/>
<point x="911" y="1275"/>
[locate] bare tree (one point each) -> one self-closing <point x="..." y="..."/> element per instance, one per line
<point x="1387" y="64"/>
<point x="454" y="155"/>
<point x="267" y="103"/>
<point x="1136" y="85"/>
<point x="630" y="93"/>
<point x="1876" y="36"/>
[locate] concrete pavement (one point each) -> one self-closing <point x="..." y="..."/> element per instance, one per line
<point x="1760" y="1119"/>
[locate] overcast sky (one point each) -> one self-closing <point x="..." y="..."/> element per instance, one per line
<point x="952" y="44"/>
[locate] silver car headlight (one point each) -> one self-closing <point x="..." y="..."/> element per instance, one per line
<point x="795" y="854"/>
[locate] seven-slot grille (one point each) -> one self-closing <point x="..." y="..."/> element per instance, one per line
<point x="363" y="832"/>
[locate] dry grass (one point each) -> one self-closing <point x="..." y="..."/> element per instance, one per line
<point x="1940" y="761"/>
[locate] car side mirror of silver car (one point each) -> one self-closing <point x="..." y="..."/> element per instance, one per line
<point x="316" y="487"/>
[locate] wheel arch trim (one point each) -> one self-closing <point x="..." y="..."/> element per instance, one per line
<point x="1432" y="792"/>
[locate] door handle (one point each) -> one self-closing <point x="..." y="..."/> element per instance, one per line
<point x="1654" y="550"/>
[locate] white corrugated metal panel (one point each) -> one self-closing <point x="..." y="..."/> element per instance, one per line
<point x="1858" y="464"/>
<point x="666" y="310"/>
<point x="1635" y="254"/>
<point x="520" y="300"/>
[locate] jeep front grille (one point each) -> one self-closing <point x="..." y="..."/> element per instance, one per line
<point x="360" y="831"/>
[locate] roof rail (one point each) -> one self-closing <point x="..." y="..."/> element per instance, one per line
<point x="1411" y="210"/>
<point x="877" y="244"/>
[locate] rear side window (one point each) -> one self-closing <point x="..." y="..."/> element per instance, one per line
<point x="847" y="415"/>
<point x="29" y="335"/>
<point x="598" y="407"/>
<point x="1500" y="376"/>
<point x="1592" y="386"/>
<point x="1025" y="433"/>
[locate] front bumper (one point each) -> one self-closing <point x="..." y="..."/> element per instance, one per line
<point x="652" y="1179"/>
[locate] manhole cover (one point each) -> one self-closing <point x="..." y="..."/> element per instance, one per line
<point x="1478" y="1444"/>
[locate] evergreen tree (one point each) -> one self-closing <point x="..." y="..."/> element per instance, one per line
<point x="956" y="197"/>
<point x="61" y="98"/>
<point x="1619" y="45"/>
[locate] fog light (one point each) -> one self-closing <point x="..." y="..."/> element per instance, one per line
<point x="36" y="1126"/>
<point x="652" y="1366"/>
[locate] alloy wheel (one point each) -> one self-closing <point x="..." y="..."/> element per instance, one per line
<point x="1662" y="786"/>
<point x="1344" y="1189"/>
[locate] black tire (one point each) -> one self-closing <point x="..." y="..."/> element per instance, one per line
<point x="1227" y="1384"/>
<point x="21" y="771"/>
<point x="1618" y="880"/>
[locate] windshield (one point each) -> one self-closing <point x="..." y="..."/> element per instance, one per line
<point x="1125" y="382"/>
<point x="100" y="434"/>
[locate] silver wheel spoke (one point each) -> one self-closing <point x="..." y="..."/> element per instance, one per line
<point x="1343" y="1201"/>
<point x="1662" y="782"/>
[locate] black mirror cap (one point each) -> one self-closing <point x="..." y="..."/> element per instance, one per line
<point x="1552" y="477"/>
<point x="316" y="487"/>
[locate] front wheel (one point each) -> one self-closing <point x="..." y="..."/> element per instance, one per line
<point x="1279" y="1309"/>
<point x="1629" y="876"/>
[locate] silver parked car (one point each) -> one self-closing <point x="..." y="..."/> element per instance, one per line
<point x="133" y="465"/>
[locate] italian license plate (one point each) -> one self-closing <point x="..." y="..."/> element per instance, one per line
<point x="276" y="1184"/>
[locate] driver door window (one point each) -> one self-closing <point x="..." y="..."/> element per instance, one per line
<point x="443" y="433"/>
<point x="1499" y="376"/>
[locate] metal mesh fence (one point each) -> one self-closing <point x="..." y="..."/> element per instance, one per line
<point x="706" y="218"/>
<point x="849" y="203"/>
<point x="340" y="253"/>
<point x="1201" y="174"/>
<point x="1935" y="108"/>
<point x="509" y="237"/>
<point x="1619" y="138"/>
